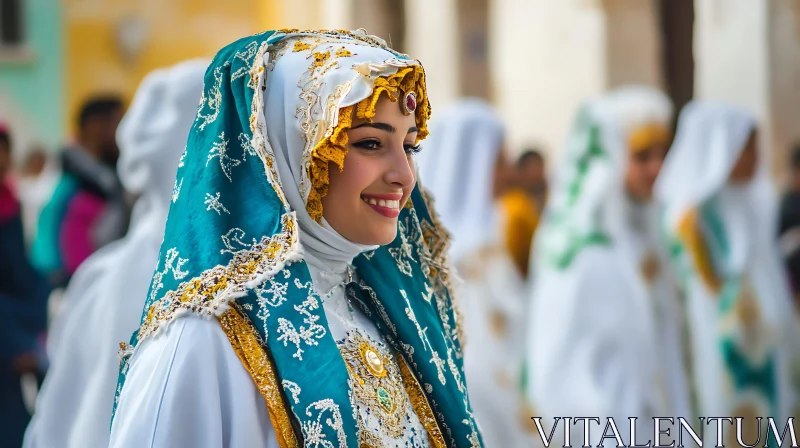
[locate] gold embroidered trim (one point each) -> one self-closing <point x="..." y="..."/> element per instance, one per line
<point x="210" y="292"/>
<point x="331" y="149"/>
<point x="689" y="234"/>
<point x="647" y="136"/>
<point x="420" y="404"/>
<point x="383" y="394"/>
<point x="334" y="147"/>
<point x="408" y="79"/>
<point x="247" y="344"/>
<point x="300" y="46"/>
<point x="359" y="35"/>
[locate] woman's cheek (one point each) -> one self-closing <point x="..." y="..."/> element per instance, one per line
<point x="365" y="173"/>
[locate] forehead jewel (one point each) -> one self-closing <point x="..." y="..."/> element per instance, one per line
<point x="409" y="104"/>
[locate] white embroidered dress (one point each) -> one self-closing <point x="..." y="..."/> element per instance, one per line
<point x="186" y="386"/>
<point x="104" y="299"/>
<point x="191" y="389"/>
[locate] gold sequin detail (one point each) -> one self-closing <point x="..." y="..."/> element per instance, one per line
<point x="689" y="234"/>
<point x="206" y="293"/>
<point x="650" y="267"/>
<point x="300" y="46"/>
<point x="383" y="394"/>
<point x="248" y="347"/>
<point x="747" y="309"/>
<point x="372" y="360"/>
<point x="647" y="136"/>
<point x="408" y="79"/>
<point x="420" y="405"/>
<point x="334" y="147"/>
<point x="320" y="58"/>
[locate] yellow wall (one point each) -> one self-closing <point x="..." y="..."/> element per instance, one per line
<point x="175" y="30"/>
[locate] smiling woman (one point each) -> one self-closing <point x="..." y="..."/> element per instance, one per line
<point x="378" y="172"/>
<point x="302" y="295"/>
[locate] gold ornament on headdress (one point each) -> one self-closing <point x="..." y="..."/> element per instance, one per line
<point x="334" y="147"/>
<point x="647" y="136"/>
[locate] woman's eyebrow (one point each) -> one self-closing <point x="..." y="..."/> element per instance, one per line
<point x="382" y="126"/>
<point x="412" y="129"/>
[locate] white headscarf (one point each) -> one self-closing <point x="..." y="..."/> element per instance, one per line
<point x="288" y="140"/>
<point x="105" y="297"/>
<point x="583" y="267"/>
<point x="597" y="202"/>
<point x="710" y="140"/>
<point x="457" y="167"/>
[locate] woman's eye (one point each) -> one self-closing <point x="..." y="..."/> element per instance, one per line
<point x="368" y="144"/>
<point x="410" y="149"/>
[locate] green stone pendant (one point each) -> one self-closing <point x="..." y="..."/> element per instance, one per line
<point x="384" y="399"/>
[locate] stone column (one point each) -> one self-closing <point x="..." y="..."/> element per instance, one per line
<point x="431" y="31"/>
<point x="747" y="53"/>
<point x="784" y="80"/>
<point x="546" y="57"/>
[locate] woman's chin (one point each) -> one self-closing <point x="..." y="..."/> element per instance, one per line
<point x="379" y="235"/>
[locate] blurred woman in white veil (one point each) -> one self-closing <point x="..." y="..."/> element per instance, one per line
<point x="465" y="169"/>
<point x="604" y="332"/>
<point x="719" y="211"/>
<point x="103" y="302"/>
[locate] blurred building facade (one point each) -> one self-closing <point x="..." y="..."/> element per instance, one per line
<point x="31" y="71"/>
<point x="548" y="56"/>
<point x="536" y="60"/>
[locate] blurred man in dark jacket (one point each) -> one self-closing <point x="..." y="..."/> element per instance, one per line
<point x="789" y="223"/>
<point x="23" y="298"/>
<point x="88" y="207"/>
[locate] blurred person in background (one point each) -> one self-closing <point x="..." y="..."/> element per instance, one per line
<point x="23" y="297"/>
<point x="604" y="335"/>
<point x="522" y="205"/>
<point x="104" y="300"/>
<point x="789" y="224"/>
<point x="465" y="169"/>
<point x="36" y="181"/>
<point x="532" y="175"/>
<point x="88" y="208"/>
<point x="719" y="212"/>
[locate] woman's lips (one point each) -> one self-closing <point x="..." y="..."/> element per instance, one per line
<point x="387" y="205"/>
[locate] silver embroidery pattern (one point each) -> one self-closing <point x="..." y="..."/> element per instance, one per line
<point x="176" y="190"/>
<point x="380" y="308"/>
<point x="247" y="146"/>
<point x="213" y="101"/>
<point x="402" y="255"/>
<point x="274" y="296"/>
<point x="313" y="435"/>
<point x="213" y="203"/>
<point x="183" y="157"/>
<point x="293" y="388"/>
<point x="422" y="332"/>
<point x="245" y="55"/>
<point x="220" y="150"/>
<point x="234" y="241"/>
<point x="302" y="335"/>
<point x="173" y="264"/>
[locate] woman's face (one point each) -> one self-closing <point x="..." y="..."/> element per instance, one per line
<point x="365" y="198"/>
<point x="642" y="171"/>
<point x="745" y="167"/>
